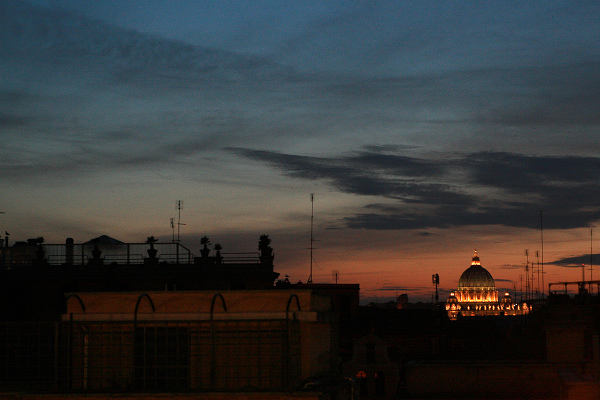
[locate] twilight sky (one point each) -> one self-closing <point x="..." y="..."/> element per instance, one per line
<point x="425" y="129"/>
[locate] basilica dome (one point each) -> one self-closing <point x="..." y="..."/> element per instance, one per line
<point x="476" y="295"/>
<point x="476" y="277"/>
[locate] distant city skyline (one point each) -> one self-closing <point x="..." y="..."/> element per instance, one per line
<point x="425" y="130"/>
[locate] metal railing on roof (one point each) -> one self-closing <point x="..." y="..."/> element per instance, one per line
<point x="28" y="255"/>
<point x="83" y="254"/>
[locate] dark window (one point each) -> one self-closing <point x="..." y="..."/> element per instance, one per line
<point x="162" y="358"/>
<point x="363" y="387"/>
<point x="380" y="383"/>
<point x="370" y="353"/>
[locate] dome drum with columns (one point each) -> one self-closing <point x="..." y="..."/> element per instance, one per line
<point x="477" y="295"/>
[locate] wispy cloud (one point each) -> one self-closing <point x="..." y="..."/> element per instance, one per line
<point x="577" y="261"/>
<point x="470" y="189"/>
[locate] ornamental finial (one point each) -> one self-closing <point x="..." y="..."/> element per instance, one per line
<point x="475" y="260"/>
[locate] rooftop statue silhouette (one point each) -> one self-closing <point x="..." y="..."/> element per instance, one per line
<point x="266" y="251"/>
<point x="151" y="251"/>
<point x="204" y="251"/>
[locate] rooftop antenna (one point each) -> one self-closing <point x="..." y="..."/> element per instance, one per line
<point x="312" y="209"/>
<point x="435" y="278"/>
<point x="527" y="276"/>
<point x="542" y="234"/>
<point x="533" y="280"/>
<point x="521" y="289"/>
<point x="173" y="230"/>
<point x="6" y="234"/>
<point x="179" y="208"/>
<point x="591" y="259"/>
<point x="537" y="256"/>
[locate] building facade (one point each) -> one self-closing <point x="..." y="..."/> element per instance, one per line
<point x="376" y="376"/>
<point x="198" y="341"/>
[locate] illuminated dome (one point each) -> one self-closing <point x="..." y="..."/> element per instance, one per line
<point x="476" y="277"/>
<point x="477" y="295"/>
<point x="507" y="300"/>
<point x="452" y="300"/>
<point x="476" y="284"/>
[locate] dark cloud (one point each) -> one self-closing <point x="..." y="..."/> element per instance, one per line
<point x="399" y="288"/>
<point x="367" y="173"/>
<point x="11" y="120"/>
<point x="63" y="37"/>
<point x="12" y="98"/>
<point x="557" y="95"/>
<point x="475" y="189"/>
<point x="577" y="261"/>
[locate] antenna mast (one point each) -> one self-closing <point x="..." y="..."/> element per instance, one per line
<point x="542" y="234"/>
<point x="173" y="230"/>
<point x="527" y="276"/>
<point x="6" y="234"/>
<point x="179" y="208"/>
<point x="312" y="208"/>
<point x="537" y="255"/>
<point x="591" y="258"/>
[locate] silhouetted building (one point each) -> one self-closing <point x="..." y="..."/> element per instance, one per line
<point x="255" y="341"/>
<point x="39" y="274"/>
<point x="376" y="376"/>
<point x="128" y="318"/>
<point x="199" y="341"/>
<point x="402" y="301"/>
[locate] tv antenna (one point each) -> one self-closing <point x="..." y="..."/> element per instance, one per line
<point x="527" y="275"/>
<point x="312" y="202"/>
<point x="336" y="274"/>
<point x="537" y="255"/>
<point x="435" y="279"/>
<point x="591" y="257"/>
<point x="179" y="208"/>
<point x="173" y="230"/>
<point x="6" y="234"/>
<point x="542" y="237"/>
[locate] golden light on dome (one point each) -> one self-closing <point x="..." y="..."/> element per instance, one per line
<point x="475" y="260"/>
<point x="477" y="295"/>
